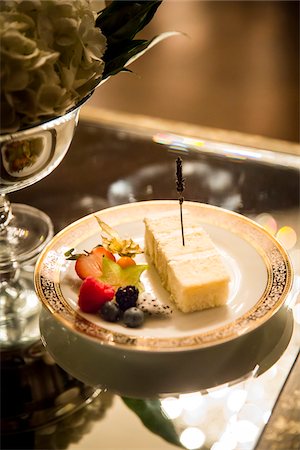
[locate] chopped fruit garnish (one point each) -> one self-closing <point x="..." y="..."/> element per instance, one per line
<point x="126" y="297"/>
<point x="101" y="251"/>
<point x="149" y="304"/>
<point x="126" y="261"/>
<point x="93" y="294"/>
<point x="90" y="264"/>
<point x="114" y="275"/>
<point x="110" y="312"/>
<point x="133" y="317"/>
<point x="115" y="244"/>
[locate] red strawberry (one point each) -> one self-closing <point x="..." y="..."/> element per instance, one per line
<point x="91" y="263"/>
<point x="93" y="294"/>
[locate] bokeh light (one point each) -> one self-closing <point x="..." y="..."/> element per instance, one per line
<point x="253" y="413"/>
<point x="171" y="407"/>
<point x="245" y="431"/>
<point x="176" y="141"/>
<point x="192" y="438"/>
<point x="256" y="392"/>
<point x="271" y="373"/>
<point x="191" y="402"/>
<point x="287" y="236"/>
<point x="268" y="222"/>
<point x="220" y="446"/>
<point x="228" y="441"/>
<point x="296" y="311"/>
<point x="219" y="392"/>
<point x="236" y="399"/>
<point x="295" y="257"/>
<point x="266" y="416"/>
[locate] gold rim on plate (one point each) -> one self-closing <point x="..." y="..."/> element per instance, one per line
<point x="52" y="261"/>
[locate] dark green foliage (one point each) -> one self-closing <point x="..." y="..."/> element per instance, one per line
<point x="150" y="413"/>
<point x="120" y="22"/>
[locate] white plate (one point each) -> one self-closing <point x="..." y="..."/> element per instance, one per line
<point x="260" y="270"/>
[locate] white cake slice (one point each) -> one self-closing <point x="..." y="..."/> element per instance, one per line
<point x="194" y="274"/>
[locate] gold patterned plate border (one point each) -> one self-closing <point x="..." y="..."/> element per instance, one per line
<point x="51" y="262"/>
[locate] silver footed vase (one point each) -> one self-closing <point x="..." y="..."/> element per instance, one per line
<point x="26" y="156"/>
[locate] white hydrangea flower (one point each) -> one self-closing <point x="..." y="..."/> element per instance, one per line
<point x="98" y="5"/>
<point x="51" y="57"/>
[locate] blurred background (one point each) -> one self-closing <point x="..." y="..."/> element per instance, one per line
<point x="237" y="68"/>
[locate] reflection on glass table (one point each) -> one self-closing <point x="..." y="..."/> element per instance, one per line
<point x="118" y="166"/>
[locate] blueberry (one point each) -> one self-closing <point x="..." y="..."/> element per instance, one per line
<point x="133" y="317"/>
<point x="110" y="312"/>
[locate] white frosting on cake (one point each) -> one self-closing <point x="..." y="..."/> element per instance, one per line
<point x="194" y="274"/>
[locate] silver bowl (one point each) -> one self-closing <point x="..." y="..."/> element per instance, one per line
<point x="26" y="156"/>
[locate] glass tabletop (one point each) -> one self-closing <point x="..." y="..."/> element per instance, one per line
<point x="110" y="164"/>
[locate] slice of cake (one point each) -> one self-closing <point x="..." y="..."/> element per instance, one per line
<point x="194" y="274"/>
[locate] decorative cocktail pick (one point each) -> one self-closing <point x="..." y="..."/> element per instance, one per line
<point x="180" y="185"/>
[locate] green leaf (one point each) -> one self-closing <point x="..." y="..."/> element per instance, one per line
<point x="127" y="52"/>
<point x="122" y="20"/>
<point x="71" y="256"/>
<point x="69" y="253"/>
<point x="118" y="56"/>
<point x="150" y="413"/>
<point x="116" y="276"/>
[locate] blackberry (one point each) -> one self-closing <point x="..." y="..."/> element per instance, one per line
<point x="126" y="297"/>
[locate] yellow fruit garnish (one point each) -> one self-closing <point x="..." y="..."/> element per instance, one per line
<point x="115" y="244"/>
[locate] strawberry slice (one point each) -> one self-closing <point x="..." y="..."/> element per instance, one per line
<point x="90" y="264"/>
<point x="93" y="294"/>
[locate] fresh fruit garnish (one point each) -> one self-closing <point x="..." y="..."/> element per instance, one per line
<point x="126" y="297"/>
<point x="133" y="317"/>
<point x="149" y="304"/>
<point x="110" y="312"/>
<point x="101" y="251"/>
<point x="89" y="264"/>
<point x="93" y="294"/>
<point x="115" y="244"/>
<point x="126" y="261"/>
<point x="114" y="275"/>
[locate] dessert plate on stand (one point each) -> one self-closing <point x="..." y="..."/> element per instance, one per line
<point x="187" y="351"/>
